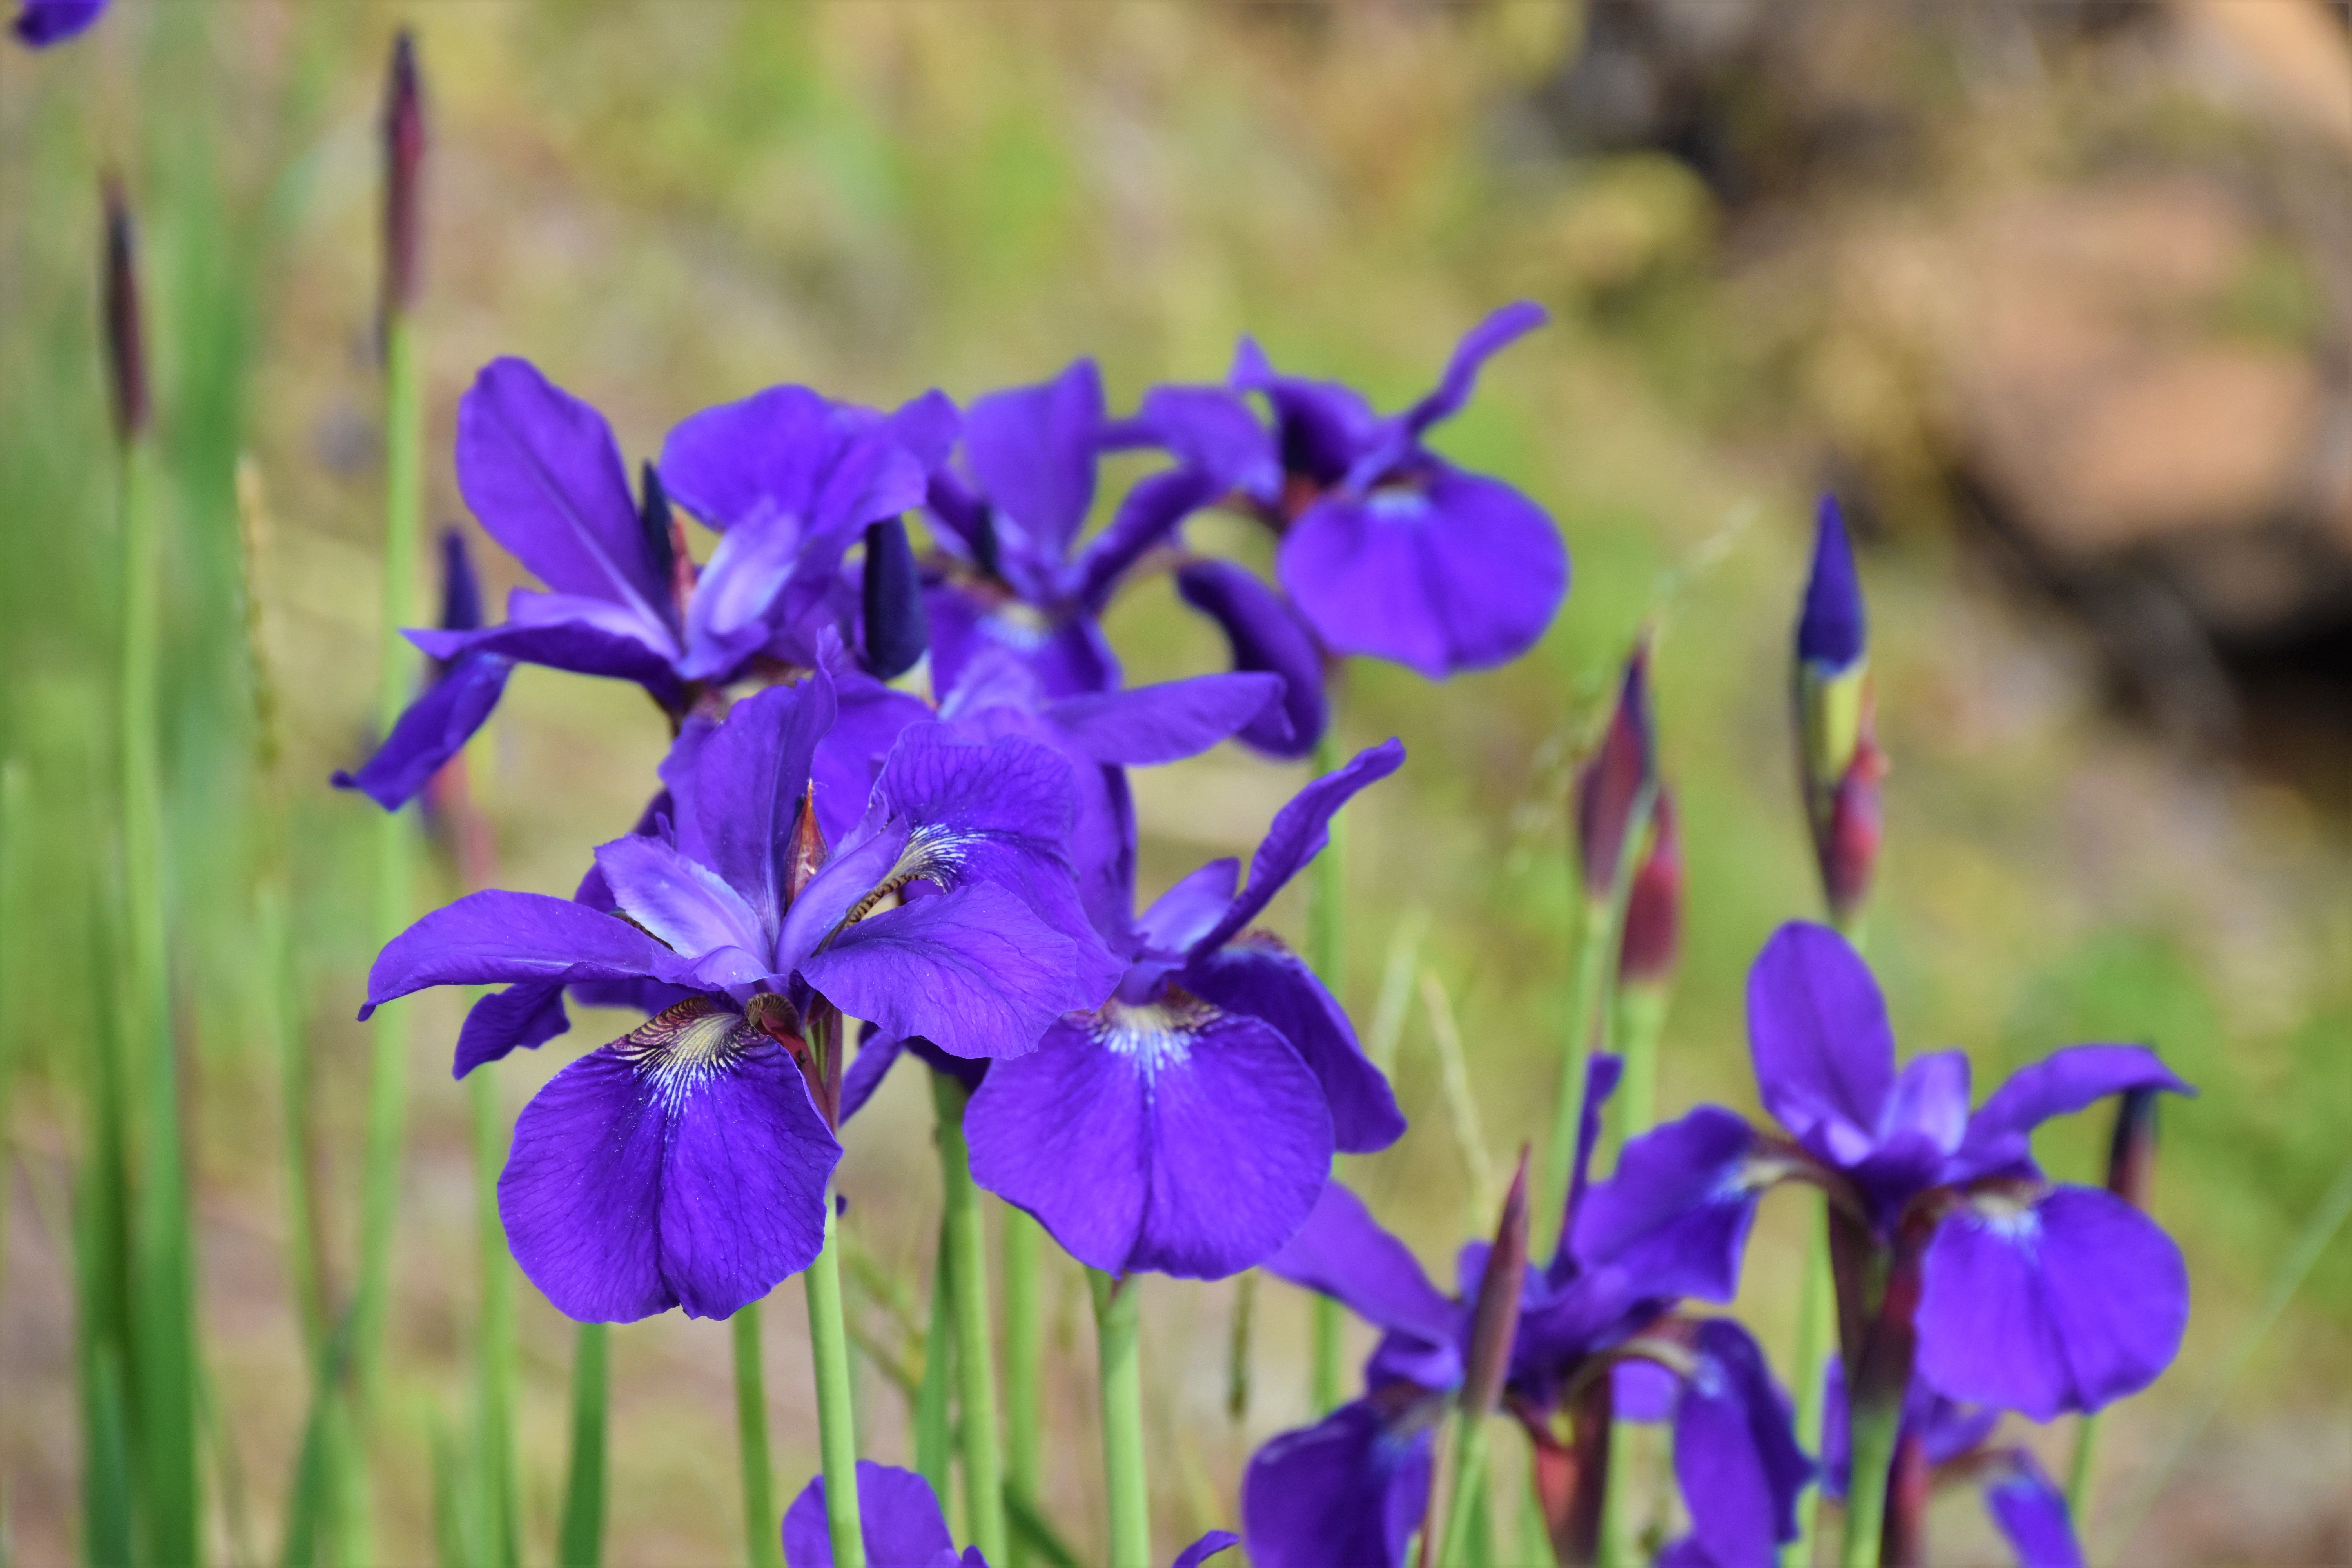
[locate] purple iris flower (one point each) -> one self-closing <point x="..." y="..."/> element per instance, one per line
<point x="44" y="22"/>
<point x="789" y="478"/>
<point x="1354" y="1487"/>
<point x="1013" y="572"/>
<point x="686" y="1164"/>
<point x="1186" y="1126"/>
<point x="904" y="1527"/>
<point x="2023" y="1294"/>
<point x="1943" y="1443"/>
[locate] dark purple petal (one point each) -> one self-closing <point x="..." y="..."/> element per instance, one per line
<point x="1687" y="1553"/>
<point x="1601" y="1076"/>
<point x="972" y="971"/>
<point x="1501" y="328"/>
<point x="1069" y="656"/>
<point x="1151" y="1139"/>
<point x="868" y="719"/>
<point x="764" y="457"/>
<point x="1273" y="987"/>
<point x="1300" y="830"/>
<point x="1674" y="1216"/>
<point x="1146" y="725"/>
<point x="1736" y="1456"/>
<point x="2060" y="1084"/>
<point x="521" y="1017"/>
<point x="1211" y="429"/>
<point x="1833" y="630"/>
<point x="610" y="644"/>
<point x="1264" y="633"/>
<point x="1208" y="1546"/>
<point x="1033" y="450"/>
<point x="685" y="905"/>
<point x="2031" y="1513"/>
<point x="1448" y="572"/>
<point x="1189" y="911"/>
<point x="461" y="590"/>
<point x="876" y="1057"/>
<point x="1321" y="427"/>
<point x="434" y="728"/>
<point x="1342" y="1252"/>
<point x="1146" y="518"/>
<point x="1642" y="1391"/>
<point x="44" y="22"/>
<point x="898" y="1519"/>
<point x="1346" y="1491"/>
<point x="927" y="427"/>
<point x="894" y="632"/>
<point x="1817" y="1030"/>
<point x="738" y="788"/>
<point x="492" y="937"/>
<point x="541" y="470"/>
<point x="2069" y="1304"/>
<point x="682" y="1164"/>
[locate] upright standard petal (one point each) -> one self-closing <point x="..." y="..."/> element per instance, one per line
<point x="432" y="729"/>
<point x="488" y="938"/>
<point x="1348" y="1490"/>
<point x="1261" y="980"/>
<point x="541" y="470"/>
<point x="2067" y="1304"/>
<point x="738" y="787"/>
<point x="683" y="1164"/>
<point x="1817" y="1030"/>
<point x="1674" y="1217"/>
<point x="1033" y="450"/>
<point x="1735" y="1455"/>
<point x="1299" y="831"/>
<point x="1342" y="1252"/>
<point x="1446" y="573"/>
<point x="1155" y="1138"/>
<point x="1264" y="633"/>
<point x="760" y="458"/>
<point x="690" y="908"/>
<point x="900" y="1519"/>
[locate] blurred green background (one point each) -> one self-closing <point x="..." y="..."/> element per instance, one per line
<point x="2055" y="295"/>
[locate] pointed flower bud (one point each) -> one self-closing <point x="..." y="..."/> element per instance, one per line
<point x="126" y="349"/>
<point x="461" y="591"/>
<point x="2131" y="1155"/>
<point x="404" y="166"/>
<point x="805" y="852"/>
<point x="1837" y="720"/>
<point x="1609" y="786"/>
<point x="1653" y="910"/>
<point x="897" y="629"/>
<point x="1494" y="1323"/>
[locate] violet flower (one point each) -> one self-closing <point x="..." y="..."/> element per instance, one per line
<point x="1354" y="1487"/>
<point x="2024" y="1294"/>
<point x="686" y="1164"/>
<point x="1186" y="1126"/>
<point x="904" y="1527"/>
<point x="40" y="23"/>
<point x="789" y="478"/>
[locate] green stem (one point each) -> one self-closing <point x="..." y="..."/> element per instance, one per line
<point x="1641" y="1020"/>
<point x="2078" y="1474"/>
<point x="1117" y="1329"/>
<point x="581" y="1543"/>
<point x="495" y="1394"/>
<point x="1463" y="1508"/>
<point x="836" y="1423"/>
<point x="764" y="1545"/>
<point x="1023" y="1246"/>
<point x="983" y="1478"/>
<point x="1568" y="1108"/>
<point x="1326" y="952"/>
<point x="1816" y="1329"/>
<point x="934" y="1423"/>
<point x="387" y="1106"/>
<point x="1876" y="1428"/>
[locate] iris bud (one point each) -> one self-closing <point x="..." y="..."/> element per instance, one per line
<point x="1496" y="1324"/>
<point x="1838" y="757"/>
<point x="126" y="354"/>
<point x="2131" y="1155"/>
<point x="1653" y="910"/>
<point x="1612" y="786"/>
<point x="896" y="630"/>
<point x="403" y="165"/>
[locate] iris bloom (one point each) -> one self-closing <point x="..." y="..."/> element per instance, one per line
<point x="905" y="1529"/>
<point x="1186" y="1126"/>
<point x="1355" y="1486"/>
<point x="2029" y="1296"/>
<point x="789" y="478"/>
<point x="686" y="1164"/>
<point x="41" y="23"/>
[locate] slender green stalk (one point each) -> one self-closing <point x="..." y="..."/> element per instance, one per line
<point x="1326" y="950"/>
<point x="387" y="1106"/>
<point x="101" y="1310"/>
<point x="1816" y="1331"/>
<point x="1022" y="1245"/>
<point x="1641" y="1020"/>
<point x="2078" y="1472"/>
<point x="934" y="1421"/>
<point x="764" y="1545"/>
<point x="1875" y="1428"/>
<point x="1117" y="1329"/>
<point x="983" y="1478"/>
<point x="273" y="936"/>
<point x="1465" y="1506"/>
<point x="836" y="1422"/>
<point x="495" y="1390"/>
<point x="581" y="1541"/>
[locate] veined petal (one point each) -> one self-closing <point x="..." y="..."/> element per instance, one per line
<point x="868" y="720"/>
<point x="1162" y="1138"/>
<point x="738" y="788"/>
<point x="1067" y="652"/>
<point x="432" y="729"/>
<point x="495" y="936"/>
<point x="1144" y="725"/>
<point x="688" y="906"/>
<point x="727" y="619"/>
<point x="1265" y="631"/>
<point x="1342" y="1252"/>
<point x="1348" y="1490"/>
<point x="1735" y="1455"/>
<point x="1269" y="984"/>
<point x="2060" y="1084"/>
<point x="1817" y="1029"/>
<point x="541" y="470"/>
<point x="1300" y="830"/>
<point x="1033" y="450"/>
<point x="898" y="1518"/>
<point x="683" y="1164"/>
<point x="2067" y="1304"/>
<point x="758" y="458"/>
<point x="1189" y="911"/>
<point x="521" y="1018"/>
<point x="1448" y="571"/>
<point x="1674" y="1216"/>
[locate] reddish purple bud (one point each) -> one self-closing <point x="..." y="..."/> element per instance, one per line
<point x="1609" y="785"/>
<point x="126" y="347"/>
<point x="805" y="854"/>
<point x="1653" y="910"/>
<point x="1846" y="841"/>
<point x="2131" y="1155"/>
<point x="403" y="167"/>
<point x="1494" y="1324"/>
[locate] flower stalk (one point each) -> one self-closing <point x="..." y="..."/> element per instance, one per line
<point x="836" y="1420"/>
<point x="984" y="1480"/>
<point x="934" y="1420"/>
<point x="1118" y="1329"/>
<point x="762" y="1544"/>
<point x="581" y="1541"/>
